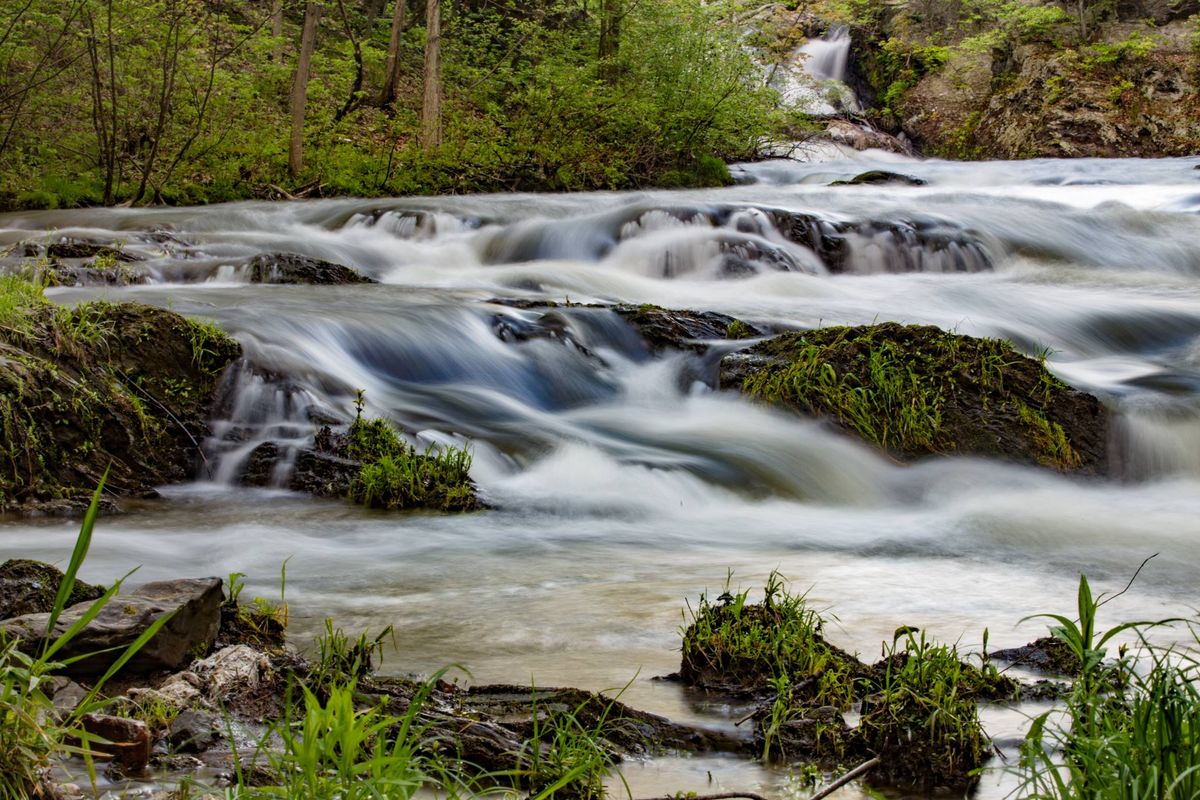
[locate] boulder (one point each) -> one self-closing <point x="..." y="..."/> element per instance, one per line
<point x="195" y="605"/>
<point x="29" y="587"/>
<point x="132" y="400"/>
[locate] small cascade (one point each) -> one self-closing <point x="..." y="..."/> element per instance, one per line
<point x="813" y="78"/>
<point x="826" y="57"/>
<point x="262" y="423"/>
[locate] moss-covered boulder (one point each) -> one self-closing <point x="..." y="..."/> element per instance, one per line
<point x="124" y="388"/>
<point x="917" y="390"/>
<point x="29" y="587"/>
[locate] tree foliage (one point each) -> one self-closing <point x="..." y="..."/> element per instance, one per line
<point x="108" y="101"/>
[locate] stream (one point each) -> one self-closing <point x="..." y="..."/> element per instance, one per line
<point x="623" y="485"/>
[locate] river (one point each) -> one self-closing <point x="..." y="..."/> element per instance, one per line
<point x="623" y="485"/>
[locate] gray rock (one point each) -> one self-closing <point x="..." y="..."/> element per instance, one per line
<point x="196" y="603"/>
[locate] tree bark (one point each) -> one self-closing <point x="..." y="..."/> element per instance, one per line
<point x="308" y="38"/>
<point x="391" y="70"/>
<point x="277" y="29"/>
<point x="431" y="109"/>
<point x="610" y="39"/>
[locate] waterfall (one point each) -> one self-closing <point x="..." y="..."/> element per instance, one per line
<point x="812" y="78"/>
<point x="825" y="58"/>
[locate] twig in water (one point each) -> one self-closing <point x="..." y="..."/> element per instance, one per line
<point x="849" y="776"/>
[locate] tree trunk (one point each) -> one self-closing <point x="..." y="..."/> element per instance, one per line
<point x="610" y="39"/>
<point x="431" y="109"/>
<point x="308" y="38"/>
<point x="391" y="70"/>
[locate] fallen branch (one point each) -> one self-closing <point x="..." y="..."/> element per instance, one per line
<point x="866" y="766"/>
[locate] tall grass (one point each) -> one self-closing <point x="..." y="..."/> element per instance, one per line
<point x="1130" y="727"/>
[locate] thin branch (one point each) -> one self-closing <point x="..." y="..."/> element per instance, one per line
<point x="861" y="769"/>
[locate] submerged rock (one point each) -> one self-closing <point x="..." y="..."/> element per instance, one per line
<point x="918" y="390"/>
<point x="193" y="603"/>
<point x="29" y="587"/>
<point x="663" y="329"/>
<point x="290" y="268"/>
<point x="878" y="177"/>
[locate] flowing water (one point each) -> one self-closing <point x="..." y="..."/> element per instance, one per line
<point x="623" y="485"/>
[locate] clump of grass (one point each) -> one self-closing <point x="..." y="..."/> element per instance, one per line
<point x="739" y="330"/>
<point x="1130" y="727"/>
<point x="19" y="298"/>
<point x="922" y="719"/>
<point x="395" y="476"/>
<point x="731" y="642"/>
<point x="261" y="622"/>
<point x="338" y="749"/>
<point x="341" y="659"/>
<point x="564" y="756"/>
<point x="1050" y="438"/>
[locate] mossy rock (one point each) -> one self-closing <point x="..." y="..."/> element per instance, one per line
<point x="918" y="390"/>
<point x="30" y="587"/>
<point x="122" y="388"/>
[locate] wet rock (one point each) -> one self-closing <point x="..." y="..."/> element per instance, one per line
<point x="916" y="244"/>
<point x="663" y="329"/>
<point x="66" y="248"/>
<point x="95" y="275"/>
<point x="194" y="732"/>
<point x="1047" y="655"/>
<point x="919" y="390"/>
<point x="126" y="741"/>
<point x="134" y="398"/>
<point x="260" y="465"/>
<point x="195" y="608"/>
<point x="29" y="587"/>
<point x="289" y="268"/>
<point x="877" y="177"/>
<point x="323" y="474"/>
